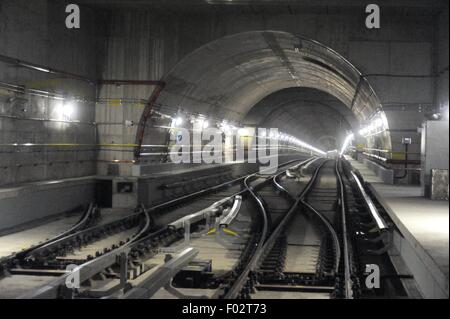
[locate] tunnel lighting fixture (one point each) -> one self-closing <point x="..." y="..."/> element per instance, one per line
<point x="347" y="141"/>
<point x="227" y="128"/>
<point x="64" y="109"/>
<point x="299" y="143"/>
<point x="176" y="122"/>
<point x="34" y="67"/>
<point x="69" y="108"/>
<point x="59" y="109"/>
<point x="375" y="127"/>
<point x="224" y="127"/>
<point x="436" y="116"/>
<point x="201" y="122"/>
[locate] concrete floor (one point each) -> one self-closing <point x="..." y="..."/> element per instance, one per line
<point x="367" y="173"/>
<point x="18" y="241"/>
<point x="17" y="285"/>
<point x="225" y="255"/>
<point x="23" y="239"/>
<point x="303" y="246"/>
<point x="424" y="225"/>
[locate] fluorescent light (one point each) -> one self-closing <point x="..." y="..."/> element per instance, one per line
<point x="376" y="124"/>
<point x="176" y="122"/>
<point x="59" y="109"/>
<point x="225" y="127"/>
<point x="347" y="141"/>
<point x="293" y="140"/>
<point x="69" y="108"/>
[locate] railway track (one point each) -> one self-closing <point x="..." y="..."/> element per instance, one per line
<point x="86" y="242"/>
<point x="290" y="234"/>
<point x="325" y="242"/>
<point x="302" y="256"/>
<point x="225" y="248"/>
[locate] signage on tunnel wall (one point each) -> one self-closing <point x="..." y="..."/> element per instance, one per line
<point x="179" y="136"/>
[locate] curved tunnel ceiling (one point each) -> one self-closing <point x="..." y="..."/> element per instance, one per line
<point x="225" y="78"/>
<point x="319" y="118"/>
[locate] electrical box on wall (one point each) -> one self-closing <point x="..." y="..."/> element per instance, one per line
<point x="406" y="140"/>
<point x="434" y="152"/>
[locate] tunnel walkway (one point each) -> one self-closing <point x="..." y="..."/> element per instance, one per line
<point x="423" y="231"/>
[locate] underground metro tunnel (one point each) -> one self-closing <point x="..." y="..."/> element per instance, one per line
<point x="223" y="150"/>
<point x="318" y="117"/>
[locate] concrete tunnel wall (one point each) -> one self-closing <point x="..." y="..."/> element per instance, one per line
<point x="146" y="44"/>
<point x="31" y="31"/>
<point x="225" y="78"/>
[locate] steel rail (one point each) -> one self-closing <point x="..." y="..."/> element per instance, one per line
<point x="243" y="276"/>
<point x="381" y="224"/>
<point x="301" y="199"/>
<point x="53" y="289"/>
<point x="252" y="264"/>
<point x="300" y="165"/>
<point x="63" y="240"/>
<point x="83" y="221"/>
<point x="333" y="233"/>
<point x="327" y="224"/>
<point x="249" y="189"/>
<point x="330" y="227"/>
<point x="96" y="265"/>
<point x="348" y="292"/>
<point x="226" y="220"/>
<point x="162" y="276"/>
<point x="276" y="177"/>
<point x="180" y="199"/>
<point x="200" y="215"/>
<point x="294" y="208"/>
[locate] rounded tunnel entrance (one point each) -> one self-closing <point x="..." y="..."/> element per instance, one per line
<point x="269" y="79"/>
<point x="318" y="118"/>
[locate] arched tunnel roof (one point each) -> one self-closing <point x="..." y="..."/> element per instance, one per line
<point x="225" y="78"/>
<point x="314" y="115"/>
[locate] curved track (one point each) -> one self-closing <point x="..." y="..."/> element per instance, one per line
<point x="283" y="235"/>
